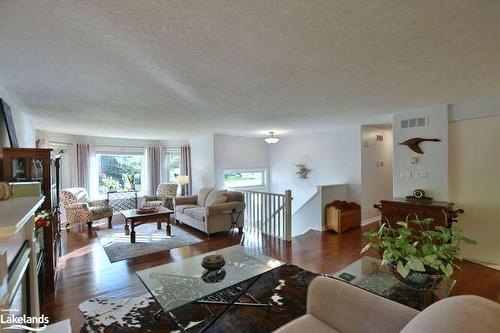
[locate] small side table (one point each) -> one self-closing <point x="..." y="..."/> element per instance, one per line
<point x="235" y="215"/>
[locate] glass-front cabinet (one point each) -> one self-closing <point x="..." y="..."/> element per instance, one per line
<point x="27" y="169"/>
<point x="39" y="165"/>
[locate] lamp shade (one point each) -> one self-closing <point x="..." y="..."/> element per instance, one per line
<point x="182" y="180"/>
<point x="271" y="139"/>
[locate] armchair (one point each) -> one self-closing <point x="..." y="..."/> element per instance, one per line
<point x="79" y="209"/>
<point x="165" y="193"/>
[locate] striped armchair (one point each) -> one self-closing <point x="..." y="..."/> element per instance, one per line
<point x="79" y="209"/>
<point x="165" y="193"/>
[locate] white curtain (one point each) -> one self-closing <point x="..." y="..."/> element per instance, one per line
<point x="83" y="166"/>
<point x="94" y="175"/>
<point x="69" y="163"/>
<point x="186" y="167"/>
<point x="153" y="165"/>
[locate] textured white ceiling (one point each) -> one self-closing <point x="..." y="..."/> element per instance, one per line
<point x="169" y="69"/>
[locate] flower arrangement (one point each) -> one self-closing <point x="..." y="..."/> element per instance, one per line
<point x="42" y="218"/>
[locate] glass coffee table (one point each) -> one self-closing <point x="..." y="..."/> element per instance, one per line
<point x="182" y="282"/>
<point x="368" y="273"/>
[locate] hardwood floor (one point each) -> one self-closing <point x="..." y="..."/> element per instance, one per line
<point x="85" y="271"/>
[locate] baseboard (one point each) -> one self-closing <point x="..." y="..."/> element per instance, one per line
<point x="370" y="220"/>
<point x="486" y="264"/>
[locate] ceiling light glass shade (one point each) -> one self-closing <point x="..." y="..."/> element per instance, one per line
<point x="182" y="180"/>
<point x="271" y="139"/>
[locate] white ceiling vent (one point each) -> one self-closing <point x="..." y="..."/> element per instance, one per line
<point x="415" y="122"/>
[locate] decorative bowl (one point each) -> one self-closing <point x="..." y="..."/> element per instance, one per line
<point x="417" y="280"/>
<point x="214" y="276"/>
<point x="213" y="262"/>
<point x="146" y="210"/>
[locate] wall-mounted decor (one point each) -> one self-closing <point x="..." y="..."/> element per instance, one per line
<point x="414" y="143"/>
<point x="6" y="116"/>
<point x="303" y="171"/>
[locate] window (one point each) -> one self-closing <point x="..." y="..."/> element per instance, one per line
<point x="172" y="165"/>
<point x="119" y="172"/>
<point x="244" y="178"/>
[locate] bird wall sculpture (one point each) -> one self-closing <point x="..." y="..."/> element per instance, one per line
<point x="414" y="143"/>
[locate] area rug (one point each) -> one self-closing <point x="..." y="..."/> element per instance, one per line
<point x="284" y="287"/>
<point x="147" y="240"/>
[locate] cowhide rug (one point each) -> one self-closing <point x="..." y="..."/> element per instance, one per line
<point x="284" y="287"/>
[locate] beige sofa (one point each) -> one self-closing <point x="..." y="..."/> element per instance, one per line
<point x="209" y="211"/>
<point x="336" y="306"/>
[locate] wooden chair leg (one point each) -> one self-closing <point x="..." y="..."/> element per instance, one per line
<point x="89" y="225"/>
<point x="110" y="225"/>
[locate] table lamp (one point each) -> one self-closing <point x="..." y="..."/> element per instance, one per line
<point x="182" y="180"/>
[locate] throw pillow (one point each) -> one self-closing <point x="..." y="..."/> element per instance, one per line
<point x="202" y="195"/>
<point x="221" y="198"/>
<point x="216" y="197"/>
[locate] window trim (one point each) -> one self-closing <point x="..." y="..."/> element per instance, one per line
<point x="262" y="170"/>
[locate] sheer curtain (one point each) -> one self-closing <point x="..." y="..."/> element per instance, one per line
<point x="86" y="169"/>
<point x="186" y="166"/>
<point x="94" y="175"/>
<point x="153" y="158"/>
<point x="83" y="157"/>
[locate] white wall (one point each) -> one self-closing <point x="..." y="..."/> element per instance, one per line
<point x="311" y="215"/>
<point x="22" y="123"/>
<point x="475" y="184"/>
<point x="431" y="172"/>
<point x="238" y="152"/>
<point x="477" y="108"/>
<point x="334" y="157"/>
<point x="376" y="169"/>
<point x="202" y="162"/>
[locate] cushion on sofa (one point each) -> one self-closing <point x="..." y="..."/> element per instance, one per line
<point x="216" y="197"/>
<point x="181" y="208"/>
<point x="235" y="196"/>
<point x="202" y="195"/>
<point x="464" y="313"/>
<point x="196" y="213"/>
<point x="306" y="323"/>
<point x="100" y="212"/>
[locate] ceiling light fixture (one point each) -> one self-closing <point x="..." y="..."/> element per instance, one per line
<point x="271" y="139"/>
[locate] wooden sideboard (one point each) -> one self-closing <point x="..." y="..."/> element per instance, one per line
<point x="399" y="209"/>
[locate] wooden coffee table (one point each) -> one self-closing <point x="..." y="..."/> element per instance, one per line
<point x="135" y="219"/>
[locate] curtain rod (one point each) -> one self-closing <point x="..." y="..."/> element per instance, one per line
<point x="61" y="143"/>
<point x="110" y="146"/>
<point x="115" y="146"/>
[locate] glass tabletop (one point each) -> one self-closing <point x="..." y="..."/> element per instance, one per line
<point x="368" y="273"/>
<point x="182" y="282"/>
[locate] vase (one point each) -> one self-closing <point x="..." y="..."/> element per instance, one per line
<point x="417" y="280"/>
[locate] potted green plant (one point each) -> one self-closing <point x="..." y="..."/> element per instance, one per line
<point x="418" y="255"/>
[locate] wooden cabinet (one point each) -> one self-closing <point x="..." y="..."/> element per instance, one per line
<point x="399" y="209"/>
<point x="341" y="216"/>
<point x="40" y="165"/>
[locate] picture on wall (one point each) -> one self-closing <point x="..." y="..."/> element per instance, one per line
<point x="6" y="116"/>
